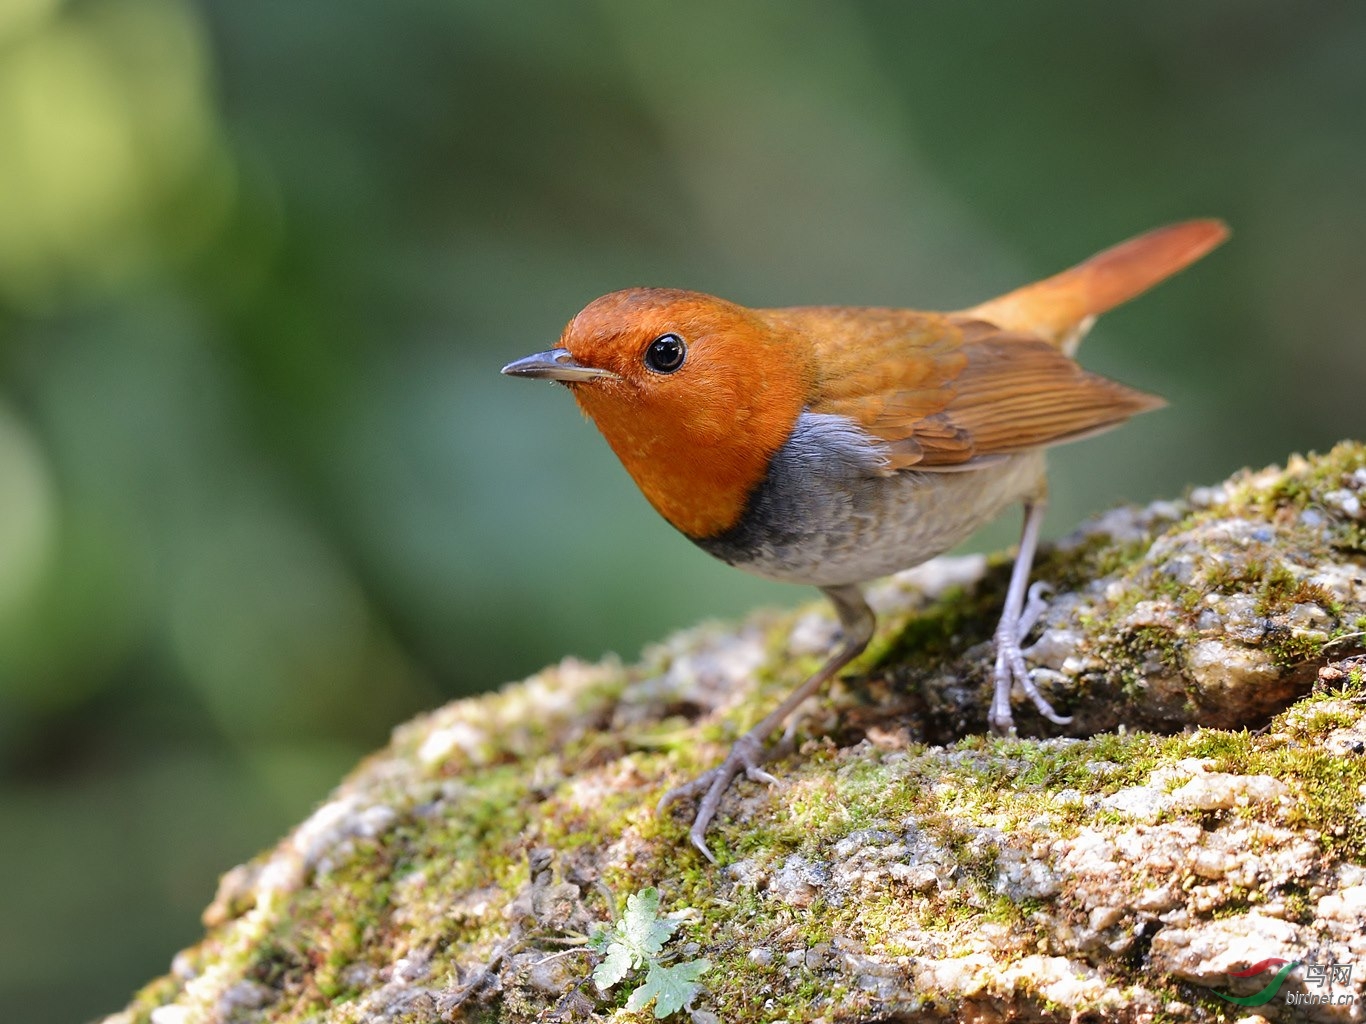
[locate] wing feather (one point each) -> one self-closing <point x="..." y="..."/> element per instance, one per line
<point x="951" y="392"/>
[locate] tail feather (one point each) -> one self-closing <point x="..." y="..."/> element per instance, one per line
<point x="1062" y="307"/>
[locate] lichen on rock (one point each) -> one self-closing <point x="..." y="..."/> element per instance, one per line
<point x="1205" y="809"/>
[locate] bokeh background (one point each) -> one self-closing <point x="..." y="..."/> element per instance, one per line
<point x="262" y="491"/>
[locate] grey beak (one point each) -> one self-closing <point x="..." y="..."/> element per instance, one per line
<point x="557" y="364"/>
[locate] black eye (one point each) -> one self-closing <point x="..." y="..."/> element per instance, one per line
<point x="666" y="353"/>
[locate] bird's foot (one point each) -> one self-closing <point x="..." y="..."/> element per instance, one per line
<point x="1011" y="672"/>
<point x="745" y="757"/>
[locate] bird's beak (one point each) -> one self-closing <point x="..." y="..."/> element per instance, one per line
<point x="557" y="364"/>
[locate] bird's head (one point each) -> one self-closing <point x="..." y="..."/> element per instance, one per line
<point x="693" y="393"/>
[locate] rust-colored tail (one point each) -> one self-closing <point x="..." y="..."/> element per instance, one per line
<point x="1061" y="307"/>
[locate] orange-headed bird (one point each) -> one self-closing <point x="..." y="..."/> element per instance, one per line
<point x="831" y="445"/>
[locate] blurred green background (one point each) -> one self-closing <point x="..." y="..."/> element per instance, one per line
<point x="262" y="491"/>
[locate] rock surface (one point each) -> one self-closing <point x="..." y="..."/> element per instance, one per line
<point x="905" y="867"/>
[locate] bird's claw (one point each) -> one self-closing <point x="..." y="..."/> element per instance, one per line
<point x="745" y="757"/>
<point x="1011" y="674"/>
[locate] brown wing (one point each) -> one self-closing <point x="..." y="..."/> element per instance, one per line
<point x="1018" y="392"/>
<point x="945" y="392"/>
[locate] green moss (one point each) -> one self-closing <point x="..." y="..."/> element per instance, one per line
<point x="1051" y="768"/>
<point x="1349" y="537"/>
<point x="150" y="996"/>
<point x="1232" y="575"/>
<point x="1301" y="906"/>
<point x="1279" y="590"/>
<point x="1328" y="786"/>
<point x="1290" y="648"/>
<point x="1130" y="757"/>
<point x="1305" y="481"/>
<point x="937" y="632"/>
<point x="1355" y="682"/>
<point x="1331" y="788"/>
<point x="1096" y="557"/>
<point x="1231" y="751"/>
<point x="1129" y="654"/>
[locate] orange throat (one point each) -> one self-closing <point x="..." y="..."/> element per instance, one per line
<point x="697" y="465"/>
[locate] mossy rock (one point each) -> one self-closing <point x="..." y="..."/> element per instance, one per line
<point x="1204" y="809"/>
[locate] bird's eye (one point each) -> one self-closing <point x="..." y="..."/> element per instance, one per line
<point x="666" y="353"/>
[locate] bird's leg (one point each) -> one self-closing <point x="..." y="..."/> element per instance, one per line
<point x="1016" y="621"/>
<point x="857" y="622"/>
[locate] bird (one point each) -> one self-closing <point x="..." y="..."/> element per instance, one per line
<point x="833" y="445"/>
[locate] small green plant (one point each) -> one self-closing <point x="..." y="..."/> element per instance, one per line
<point x="637" y="941"/>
